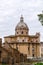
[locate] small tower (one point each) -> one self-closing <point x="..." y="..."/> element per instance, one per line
<point x="21" y="28"/>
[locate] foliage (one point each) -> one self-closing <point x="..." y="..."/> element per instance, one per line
<point x="39" y="64"/>
<point x="40" y="16"/>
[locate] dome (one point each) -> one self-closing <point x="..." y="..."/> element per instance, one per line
<point x="21" y="24"/>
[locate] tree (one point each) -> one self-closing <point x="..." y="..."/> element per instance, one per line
<point x="41" y="18"/>
<point x="38" y="64"/>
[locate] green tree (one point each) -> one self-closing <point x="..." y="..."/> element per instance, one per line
<point x="39" y="64"/>
<point x="40" y="16"/>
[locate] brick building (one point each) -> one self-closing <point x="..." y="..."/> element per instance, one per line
<point x="21" y="45"/>
<point x="27" y="44"/>
<point x="9" y="55"/>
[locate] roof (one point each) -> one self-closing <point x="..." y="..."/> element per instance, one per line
<point x="10" y="48"/>
<point x="13" y="36"/>
<point x="21" y="24"/>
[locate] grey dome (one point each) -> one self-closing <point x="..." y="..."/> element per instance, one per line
<point x="21" y="24"/>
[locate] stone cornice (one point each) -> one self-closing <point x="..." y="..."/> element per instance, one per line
<point x="13" y="36"/>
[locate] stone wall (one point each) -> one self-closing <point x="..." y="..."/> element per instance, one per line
<point x="0" y="49"/>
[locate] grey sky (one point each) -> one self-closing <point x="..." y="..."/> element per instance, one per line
<point x="11" y="10"/>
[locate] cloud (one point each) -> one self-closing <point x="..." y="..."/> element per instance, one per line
<point x="10" y="11"/>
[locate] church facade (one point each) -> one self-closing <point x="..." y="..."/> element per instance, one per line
<point x="26" y="44"/>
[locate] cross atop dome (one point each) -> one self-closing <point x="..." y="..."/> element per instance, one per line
<point x="21" y="18"/>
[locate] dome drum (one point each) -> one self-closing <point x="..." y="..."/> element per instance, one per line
<point x="21" y="27"/>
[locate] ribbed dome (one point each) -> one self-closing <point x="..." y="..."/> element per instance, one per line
<point x="21" y="24"/>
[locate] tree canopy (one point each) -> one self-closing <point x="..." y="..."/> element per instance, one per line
<point x="40" y="16"/>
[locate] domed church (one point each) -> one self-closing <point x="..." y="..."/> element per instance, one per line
<point x="26" y="44"/>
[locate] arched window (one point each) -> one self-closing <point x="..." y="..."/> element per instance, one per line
<point x="17" y="32"/>
<point x="22" y="32"/>
<point x="26" y="32"/>
<point x="23" y="40"/>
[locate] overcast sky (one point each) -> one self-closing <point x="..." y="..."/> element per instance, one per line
<point x="11" y="10"/>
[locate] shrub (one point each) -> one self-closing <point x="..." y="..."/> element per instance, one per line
<point x="39" y="64"/>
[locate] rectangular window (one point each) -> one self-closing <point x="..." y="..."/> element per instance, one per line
<point x="0" y="54"/>
<point x="32" y="55"/>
